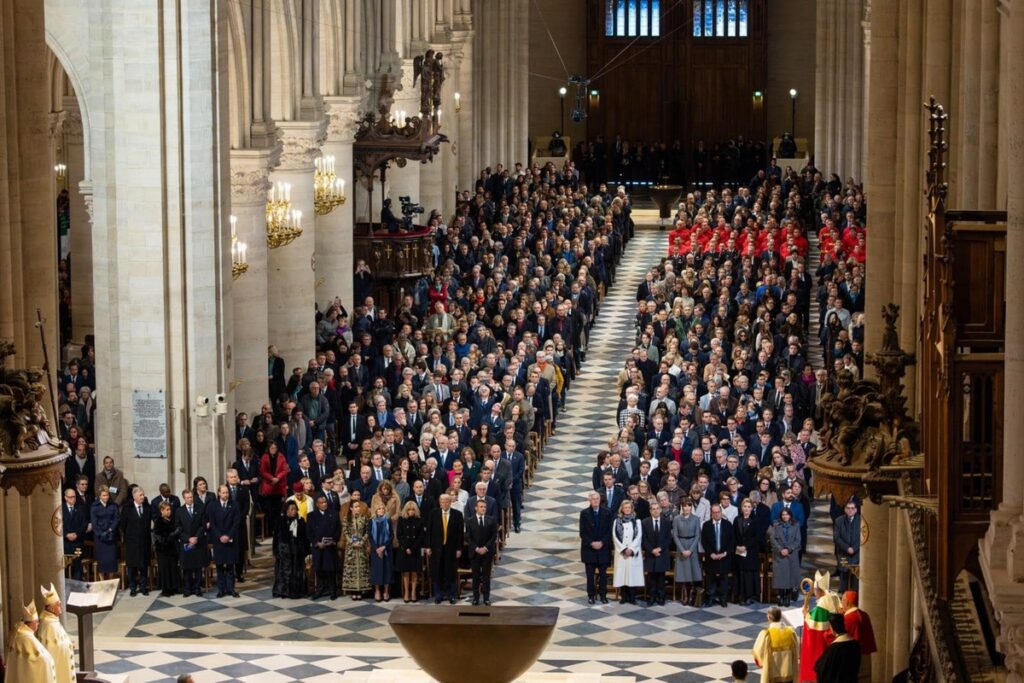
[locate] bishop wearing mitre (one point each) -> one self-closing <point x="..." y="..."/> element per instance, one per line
<point x="27" y="659"/>
<point x="54" y="638"/>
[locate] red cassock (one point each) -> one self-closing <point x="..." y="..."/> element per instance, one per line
<point x="858" y="625"/>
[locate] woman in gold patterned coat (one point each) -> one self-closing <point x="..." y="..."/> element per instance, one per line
<point x="355" y="577"/>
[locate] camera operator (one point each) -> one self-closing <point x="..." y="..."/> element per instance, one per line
<point x="388" y="219"/>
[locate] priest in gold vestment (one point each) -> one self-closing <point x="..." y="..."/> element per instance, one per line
<point x="54" y="638"/>
<point x="27" y="659"/>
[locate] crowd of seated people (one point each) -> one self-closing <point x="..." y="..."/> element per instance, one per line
<point x="403" y="419"/>
<point x="719" y="401"/>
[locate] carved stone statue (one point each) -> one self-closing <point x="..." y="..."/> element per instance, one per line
<point x="865" y="423"/>
<point x="438" y="80"/>
<point x="24" y="426"/>
<point x="423" y="69"/>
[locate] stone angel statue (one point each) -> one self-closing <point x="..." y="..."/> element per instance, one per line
<point x="423" y="70"/>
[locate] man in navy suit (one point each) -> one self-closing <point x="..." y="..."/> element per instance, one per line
<point x="480" y="489"/>
<point x="225" y="523"/>
<point x="790" y="502"/>
<point x="595" y="547"/>
<point x="612" y="495"/>
<point x="517" y="462"/>
<point x="656" y="540"/>
<point x="75" y="519"/>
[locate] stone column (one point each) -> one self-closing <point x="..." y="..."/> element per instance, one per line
<point x="292" y="286"/>
<point x="31" y="546"/>
<point x="874" y="579"/>
<point x="988" y="129"/>
<point x="968" y="114"/>
<point x="463" y="148"/>
<point x="499" y="53"/>
<point x="28" y="257"/>
<point x="334" y="266"/>
<point x="880" y="180"/>
<point x="1002" y="549"/>
<point x="250" y="170"/>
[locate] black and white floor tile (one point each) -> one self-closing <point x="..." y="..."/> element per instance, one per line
<point x="259" y="638"/>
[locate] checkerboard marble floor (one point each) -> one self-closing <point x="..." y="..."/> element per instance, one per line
<point x="259" y="638"/>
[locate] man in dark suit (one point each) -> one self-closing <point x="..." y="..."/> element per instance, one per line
<point x="445" y="529"/>
<point x="612" y="494"/>
<point x="595" y="547"/>
<point x="225" y="524"/>
<point x="481" y="539"/>
<point x="242" y="428"/>
<point x="846" y="537"/>
<point x="656" y="542"/>
<point x="136" y="524"/>
<point x="353" y="431"/>
<point x="717" y="540"/>
<point x="239" y="496"/>
<point x="75" y="519"/>
<point x="193" y="554"/>
<point x="517" y="464"/>
<point x="365" y="484"/>
<point x="165" y="494"/>
<point x="423" y="501"/>
<point x="480" y="494"/>
<point x="303" y="471"/>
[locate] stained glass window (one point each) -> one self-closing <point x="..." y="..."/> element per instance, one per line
<point x="720" y="18"/>
<point x="632" y="18"/>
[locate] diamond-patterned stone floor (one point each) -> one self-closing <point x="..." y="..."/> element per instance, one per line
<point x="276" y="640"/>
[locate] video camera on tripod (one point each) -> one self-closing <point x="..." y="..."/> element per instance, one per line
<point x="408" y="208"/>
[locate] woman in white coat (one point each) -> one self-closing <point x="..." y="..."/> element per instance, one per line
<point x="629" y="563"/>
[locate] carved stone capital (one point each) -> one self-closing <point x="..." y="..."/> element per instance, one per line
<point x="343" y="115"/>
<point x="85" y="188"/>
<point x="250" y="174"/>
<point x="66" y="124"/>
<point x="300" y="143"/>
<point x="1004" y="7"/>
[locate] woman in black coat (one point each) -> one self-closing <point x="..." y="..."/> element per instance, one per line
<point x="165" y="543"/>
<point x="749" y="540"/>
<point x="408" y="559"/>
<point x="291" y="547"/>
<point x="598" y="473"/>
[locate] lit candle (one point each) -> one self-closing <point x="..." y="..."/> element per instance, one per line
<point x="287" y="192"/>
<point x="241" y="252"/>
<point x="298" y="218"/>
<point x="233" y="219"/>
<point x="342" y="186"/>
<point x="439" y="115"/>
<point x="458" y="98"/>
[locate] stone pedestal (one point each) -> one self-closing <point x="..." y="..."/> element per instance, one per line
<point x="292" y="285"/>
<point x="31" y="546"/>
<point x="249" y="187"/>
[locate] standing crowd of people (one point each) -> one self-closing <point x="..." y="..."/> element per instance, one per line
<point x="400" y="453"/>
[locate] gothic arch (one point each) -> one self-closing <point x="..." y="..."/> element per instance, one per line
<point x="239" y="74"/>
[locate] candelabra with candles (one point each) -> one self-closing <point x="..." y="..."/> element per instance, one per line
<point x="284" y="224"/>
<point x="328" y="188"/>
<point x="239" y="264"/>
<point x="62" y="171"/>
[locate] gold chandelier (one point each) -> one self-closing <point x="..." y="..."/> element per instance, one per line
<point x="328" y="188"/>
<point x="239" y="264"/>
<point x="284" y="224"/>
